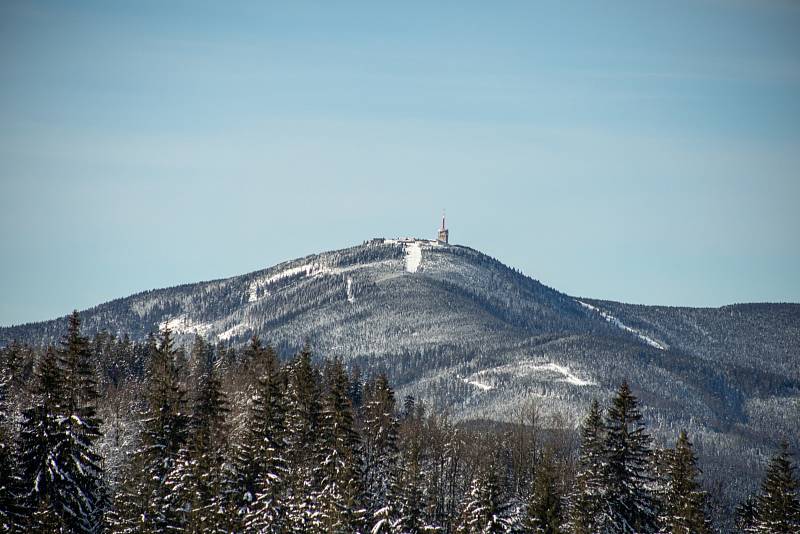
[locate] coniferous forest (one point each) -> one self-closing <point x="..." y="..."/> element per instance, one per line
<point x="109" y="435"/>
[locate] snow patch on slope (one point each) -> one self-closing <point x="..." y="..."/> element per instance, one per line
<point x="230" y="332"/>
<point x="486" y="378"/>
<point x="479" y="385"/>
<point x="350" y="296"/>
<point x="413" y="256"/>
<point x="619" y="324"/>
<point x="183" y="325"/>
<point x="568" y="376"/>
<point x="259" y="288"/>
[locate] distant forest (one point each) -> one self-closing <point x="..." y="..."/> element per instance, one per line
<point x="108" y="435"/>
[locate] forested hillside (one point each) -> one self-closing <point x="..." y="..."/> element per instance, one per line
<point x="110" y="435"/>
<point x="479" y="341"/>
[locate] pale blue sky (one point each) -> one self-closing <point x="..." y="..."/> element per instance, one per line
<point x="638" y="151"/>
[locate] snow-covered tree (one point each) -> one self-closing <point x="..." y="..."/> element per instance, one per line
<point x="199" y="483"/>
<point x="777" y="509"/>
<point x="587" y="508"/>
<point x="544" y="511"/>
<point x="302" y="444"/>
<point x="61" y="477"/>
<point x="340" y="495"/>
<point x="9" y="507"/>
<point x="381" y="452"/>
<point x="628" y="471"/>
<point x="144" y="500"/>
<point x="84" y="498"/>
<point x="683" y="509"/>
<point x="260" y="461"/>
<point x="483" y="510"/>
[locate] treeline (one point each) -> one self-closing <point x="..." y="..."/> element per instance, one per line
<point x="108" y="436"/>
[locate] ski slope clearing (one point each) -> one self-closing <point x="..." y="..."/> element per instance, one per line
<point x="619" y="324"/>
<point x="413" y="256"/>
<point x="487" y="379"/>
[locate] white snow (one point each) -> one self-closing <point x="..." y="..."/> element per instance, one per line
<point x="183" y="325"/>
<point x="619" y="324"/>
<point x="230" y="332"/>
<point x="258" y="288"/>
<point x="350" y="296"/>
<point x="523" y="369"/>
<point x="413" y="256"/>
<point x="479" y="385"/>
<point x="569" y="377"/>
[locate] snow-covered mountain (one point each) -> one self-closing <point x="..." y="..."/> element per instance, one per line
<point x="467" y="334"/>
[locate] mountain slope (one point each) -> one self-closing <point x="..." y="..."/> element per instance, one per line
<point x="471" y="336"/>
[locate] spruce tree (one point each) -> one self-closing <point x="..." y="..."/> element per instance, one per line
<point x="40" y="435"/>
<point x="483" y="510"/>
<point x="629" y="467"/>
<point x="683" y="501"/>
<point x="381" y="450"/>
<point x="746" y="513"/>
<point x="61" y="473"/>
<point x="778" y="505"/>
<point x="198" y="484"/>
<point x="84" y="500"/>
<point x="144" y="501"/>
<point x="261" y="463"/>
<point x="302" y="440"/>
<point x="587" y="508"/>
<point x="544" y="508"/>
<point x="411" y="490"/>
<point x="9" y="508"/>
<point x="341" y="492"/>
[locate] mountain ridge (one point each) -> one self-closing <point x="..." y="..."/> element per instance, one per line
<point x="477" y="339"/>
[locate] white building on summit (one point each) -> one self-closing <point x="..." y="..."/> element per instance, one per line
<point x="444" y="233"/>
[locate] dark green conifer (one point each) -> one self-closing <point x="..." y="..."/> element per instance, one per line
<point x="683" y="502"/>
<point x="40" y="434"/>
<point x="544" y="508"/>
<point x="144" y="500"/>
<point x="628" y="471"/>
<point x="778" y="505"/>
<point x="198" y="484"/>
<point x="340" y="494"/>
<point x="85" y="500"/>
<point x="9" y="481"/>
<point x="482" y="509"/>
<point x="264" y="478"/>
<point x="302" y="443"/>
<point x="587" y="507"/>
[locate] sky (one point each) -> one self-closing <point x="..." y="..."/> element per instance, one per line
<point x="645" y="152"/>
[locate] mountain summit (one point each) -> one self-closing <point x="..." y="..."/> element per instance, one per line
<point x="469" y="335"/>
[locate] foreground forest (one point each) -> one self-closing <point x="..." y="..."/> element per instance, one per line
<point x="107" y="435"/>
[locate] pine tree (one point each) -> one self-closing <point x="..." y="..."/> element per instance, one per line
<point x="544" y="507"/>
<point x="746" y="514"/>
<point x="84" y="499"/>
<point x="411" y="493"/>
<point x="628" y="470"/>
<point x="778" y="506"/>
<point x="9" y="509"/>
<point x="483" y="510"/>
<point x="302" y="440"/>
<point x="261" y="463"/>
<point x="40" y="434"/>
<point x="144" y="499"/>
<point x="61" y="472"/>
<point x="198" y="487"/>
<point x="684" y="503"/>
<point x="341" y="491"/>
<point x="587" y="504"/>
<point x="381" y="451"/>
